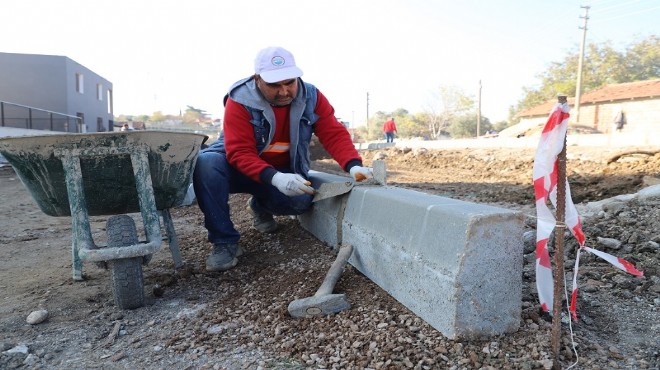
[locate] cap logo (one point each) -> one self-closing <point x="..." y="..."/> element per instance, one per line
<point x="277" y="61"/>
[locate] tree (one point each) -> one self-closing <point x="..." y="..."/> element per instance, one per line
<point x="447" y="103"/>
<point x="603" y="65"/>
<point x="644" y="59"/>
<point x="466" y="126"/>
<point x="193" y="115"/>
<point x="157" y="117"/>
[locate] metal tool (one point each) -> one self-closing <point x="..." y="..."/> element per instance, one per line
<point x="324" y="302"/>
<point x="332" y="189"/>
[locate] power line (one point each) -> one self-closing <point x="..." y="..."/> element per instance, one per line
<point x="613" y="8"/>
<point x="627" y="14"/>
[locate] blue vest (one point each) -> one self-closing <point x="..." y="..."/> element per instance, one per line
<point x="301" y="121"/>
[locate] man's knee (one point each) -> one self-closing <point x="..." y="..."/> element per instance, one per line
<point x="294" y="205"/>
<point x="301" y="207"/>
<point x="210" y="164"/>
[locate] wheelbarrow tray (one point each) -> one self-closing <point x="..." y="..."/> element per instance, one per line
<point x="108" y="180"/>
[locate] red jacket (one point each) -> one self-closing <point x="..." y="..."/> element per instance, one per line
<point x="240" y="142"/>
<point x="389" y="126"/>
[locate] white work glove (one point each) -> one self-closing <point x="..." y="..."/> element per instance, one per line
<point x="291" y="184"/>
<point x="361" y="173"/>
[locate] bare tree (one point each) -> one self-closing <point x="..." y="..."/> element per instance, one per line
<point x="446" y="104"/>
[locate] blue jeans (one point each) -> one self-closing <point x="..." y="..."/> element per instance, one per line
<point x="214" y="179"/>
<point x="389" y="137"/>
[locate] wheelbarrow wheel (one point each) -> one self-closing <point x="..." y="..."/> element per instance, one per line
<point x="126" y="273"/>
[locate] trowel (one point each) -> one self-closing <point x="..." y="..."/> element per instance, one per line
<point x="332" y="189"/>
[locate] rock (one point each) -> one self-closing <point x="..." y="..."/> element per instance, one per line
<point x="650" y="180"/>
<point x="650" y="246"/>
<point x="21" y="348"/>
<point x="37" y="317"/>
<point x="116" y="316"/>
<point x="30" y="360"/>
<point x="609" y="243"/>
<point x="614" y="207"/>
<point x="649" y="194"/>
<point x="117" y="356"/>
<point x="595" y="207"/>
<point x="379" y="156"/>
<point x="529" y="241"/>
<point x="547" y="364"/>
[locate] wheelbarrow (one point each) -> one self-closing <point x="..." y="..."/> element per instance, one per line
<point x="113" y="173"/>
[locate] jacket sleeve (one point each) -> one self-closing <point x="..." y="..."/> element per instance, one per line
<point x="333" y="135"/>
<point x="240" y="143"/>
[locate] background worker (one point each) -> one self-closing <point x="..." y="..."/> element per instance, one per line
<point x="389" y="128"/>
<point x="263" y="150"/>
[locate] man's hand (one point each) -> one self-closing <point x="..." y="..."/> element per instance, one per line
<point x="291" y="184"/>
<point x="361" y="173"/>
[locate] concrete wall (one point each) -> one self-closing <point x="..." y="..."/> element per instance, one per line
<point x="457" y="265"/>
<point x="643" y="116"/>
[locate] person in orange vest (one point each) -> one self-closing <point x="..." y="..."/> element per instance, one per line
<point x="389" y="128"/>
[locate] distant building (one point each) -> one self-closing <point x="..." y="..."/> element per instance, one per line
<point x="50" y="83"/>
<point x="640" y="101"/>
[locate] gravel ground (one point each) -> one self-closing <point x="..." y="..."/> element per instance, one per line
<point x="238" y="319"/>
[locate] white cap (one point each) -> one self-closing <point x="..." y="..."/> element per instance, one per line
<point x="276" y="64"/>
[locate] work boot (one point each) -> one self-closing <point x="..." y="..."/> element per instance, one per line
<point x="223" y="257"/>
<point x="263" y="222"/>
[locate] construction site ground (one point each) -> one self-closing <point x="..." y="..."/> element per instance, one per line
<point x="238" y="319"/>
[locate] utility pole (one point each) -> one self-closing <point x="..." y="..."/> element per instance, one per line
<point x="479" y="110"/>
<point x="578" y="88"/>
<point x="367" y="113"/>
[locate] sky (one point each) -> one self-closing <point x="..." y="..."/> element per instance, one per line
<point x="165" y="55"/>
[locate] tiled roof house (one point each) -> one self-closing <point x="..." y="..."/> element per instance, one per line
<point x="640" y="101"/>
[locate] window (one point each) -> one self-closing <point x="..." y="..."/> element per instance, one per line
<point x="79" y="83"/>
<point x="99" y="92"/>
<point x="99" y="124"/>
<point x="109" y="100"/>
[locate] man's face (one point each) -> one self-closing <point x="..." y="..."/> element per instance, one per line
<point x="278" y="93"/>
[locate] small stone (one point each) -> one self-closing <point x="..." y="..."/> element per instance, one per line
<point x="529" y="241"/>
<point x="21" y="348"/>
<point x="37" y="317"/>
<point x="609" y="243"/>
<point x="31" y="360"/>
<point x="547" y="364"/>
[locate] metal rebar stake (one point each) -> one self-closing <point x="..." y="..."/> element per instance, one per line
<point x="558" y="273"/>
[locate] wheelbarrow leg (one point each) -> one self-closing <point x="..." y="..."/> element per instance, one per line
<point x="171" y="238"/>
<point x="80" y="229"/>
<point x="145" y="191"/>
